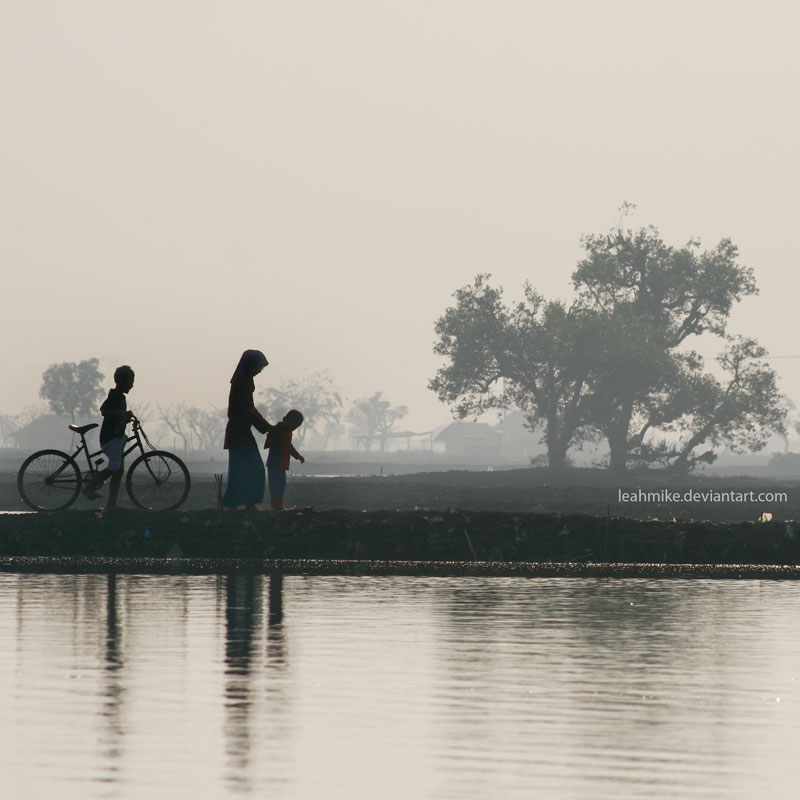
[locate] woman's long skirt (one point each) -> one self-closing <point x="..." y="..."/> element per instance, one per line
<point x="246" y="476"/>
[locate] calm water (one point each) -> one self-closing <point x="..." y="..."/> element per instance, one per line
<point x="325" y="687"/>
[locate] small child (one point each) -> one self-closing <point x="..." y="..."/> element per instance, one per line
<point x="112" y="436"/>
<point x="279" y="442"/>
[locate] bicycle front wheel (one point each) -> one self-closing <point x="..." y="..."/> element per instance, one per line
<point x="158" y="481"/>
<point x="49" y="480"/>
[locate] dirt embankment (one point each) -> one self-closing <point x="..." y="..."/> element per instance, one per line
<point x="456" y="536"/>
<point x="512" y="516"/>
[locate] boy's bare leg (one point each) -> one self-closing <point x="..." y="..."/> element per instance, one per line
<point x="113" y="489"/>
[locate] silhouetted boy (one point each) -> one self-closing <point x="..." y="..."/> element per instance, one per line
<point x="279" y="443"/>
<point x="112" y="436"/>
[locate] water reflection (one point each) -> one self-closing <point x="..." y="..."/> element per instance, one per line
<point x="113" y="690"/>
<point x="276" y="651"/>
<point x="242" y="616"/>
<point x="244" y="604"/>
<point x="275" y="599"/>
<point x="308" y="687"/>
<point x="533" y="676"/>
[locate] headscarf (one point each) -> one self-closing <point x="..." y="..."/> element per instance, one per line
<point x="250" y="361"/>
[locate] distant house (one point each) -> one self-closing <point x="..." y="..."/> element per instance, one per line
<point x="518" y="442"/>
<point x="471" y="441"/>
<point x="50" y="431"/>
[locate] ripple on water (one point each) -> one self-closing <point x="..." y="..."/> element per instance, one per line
<point x="418" y="687"/>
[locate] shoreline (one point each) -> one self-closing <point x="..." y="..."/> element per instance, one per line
<point x="515" y="522"/>
<point x="377" y="568"/>
<point x="454" y="536"/>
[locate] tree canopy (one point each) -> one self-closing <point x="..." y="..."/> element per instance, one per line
<point x="538" y="356"/>
<point x="71" y="388"/>
<point x="616" y="363"/>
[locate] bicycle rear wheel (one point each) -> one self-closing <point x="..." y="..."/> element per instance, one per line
<point x="158" y="481"/>
<point x="49" y="480"/>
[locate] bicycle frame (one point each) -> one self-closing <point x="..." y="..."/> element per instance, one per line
<point x="51" y="480"/>
<point x="135" y="437"/>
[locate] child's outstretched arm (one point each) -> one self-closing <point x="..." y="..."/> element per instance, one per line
<point x="297" y="455"/>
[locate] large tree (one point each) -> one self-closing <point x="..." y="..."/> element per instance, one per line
<point x="618" y="362"/>
<point x="655" y="298"/>
<point x="538" y="356"/>
<point x="71" y="389"/>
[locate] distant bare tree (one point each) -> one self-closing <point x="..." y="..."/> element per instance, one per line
<point x="374" y="417"/>
<point x="8" y="426"/>
<point x="314" y="395"/>
<point x="143" y="412"/>
<point x="197" y="428"/>
<point x="207" y="426"/>
<point x="335" y="429"/>
<point x="174" y="421"/>
<point x="30" y="414"/>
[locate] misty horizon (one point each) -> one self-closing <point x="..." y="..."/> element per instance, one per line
<point x="316" y="182"/>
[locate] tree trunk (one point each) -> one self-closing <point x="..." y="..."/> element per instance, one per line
<point x="556" y="447"/>
<point x="556" y="459"/>
<point x="682" y="461"/>
<point x="618" y="449"/>
<point x="617" y="434"/>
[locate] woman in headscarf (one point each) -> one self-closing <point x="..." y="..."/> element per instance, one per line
<point x="246" y="475"/>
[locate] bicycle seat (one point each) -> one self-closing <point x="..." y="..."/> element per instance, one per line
<point x="81" y="429"/>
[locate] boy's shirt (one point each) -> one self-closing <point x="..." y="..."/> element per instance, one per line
<point x="279" y="443"/>
<point x="113" y="426"/>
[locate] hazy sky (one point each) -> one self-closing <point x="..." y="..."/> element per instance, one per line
<point x="182" y="180"/>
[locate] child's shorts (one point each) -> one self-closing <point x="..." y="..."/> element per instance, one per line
<point x="113" y="450"/>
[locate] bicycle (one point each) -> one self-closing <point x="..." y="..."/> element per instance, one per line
<point x="51" y="480"/>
